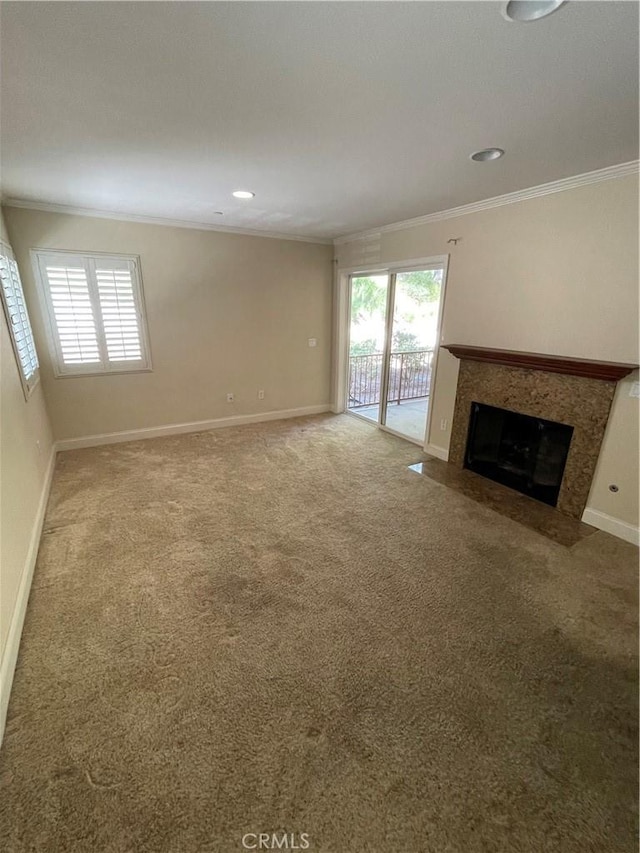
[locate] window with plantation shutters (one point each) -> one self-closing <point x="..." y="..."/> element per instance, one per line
<point x="96" y="314"/>
<point x="15" y="310"/>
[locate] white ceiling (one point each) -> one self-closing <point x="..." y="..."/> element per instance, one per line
<point x="339" y="116"/>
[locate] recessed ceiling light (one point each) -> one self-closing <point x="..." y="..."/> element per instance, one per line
<point x="523" y="11"/>
<point x="243" y="194"/>
<point x="487" y="154"/>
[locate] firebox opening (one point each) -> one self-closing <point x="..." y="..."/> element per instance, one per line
<point x="525" y="453"/>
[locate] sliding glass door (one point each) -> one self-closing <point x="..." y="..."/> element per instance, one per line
<point x="414" y="330"/>
<point x="367" y="344"/>
<point x="394" y="328"/>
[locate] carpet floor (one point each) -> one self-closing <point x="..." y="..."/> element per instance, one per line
<point x="280" y="628"/>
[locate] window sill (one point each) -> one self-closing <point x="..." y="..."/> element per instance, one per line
<point x="93" y="374"/>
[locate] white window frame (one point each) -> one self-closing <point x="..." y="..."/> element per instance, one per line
<point x="89" y="259"/>
<point x="29" y="384"/>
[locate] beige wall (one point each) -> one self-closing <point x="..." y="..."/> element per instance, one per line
<point x="618" y="463"/>
<point x="25" y="451"/>
<point x="226" y="313"/>
<point x="555" y="274"/>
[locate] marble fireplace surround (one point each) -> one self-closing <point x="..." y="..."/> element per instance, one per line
<point x="571" y="391"/>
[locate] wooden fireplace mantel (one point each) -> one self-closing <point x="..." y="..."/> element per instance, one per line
<point x="609" y="371"/>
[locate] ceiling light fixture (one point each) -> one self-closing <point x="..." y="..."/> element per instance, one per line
<point x="487" y="154"/>
<point x="243" y="194"/>
<point x="523" y="11"/>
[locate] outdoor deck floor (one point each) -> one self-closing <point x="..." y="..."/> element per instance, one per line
<point x="408" y="418"/>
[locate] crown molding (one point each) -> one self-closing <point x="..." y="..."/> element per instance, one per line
<point x="155" y="220"/>
<point x="607" y="174"/>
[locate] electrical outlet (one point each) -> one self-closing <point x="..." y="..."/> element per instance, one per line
<point x="313" y="342"/>
<point x="230" y="398"/>
<point x="443" y="424"/>
<point x="261" y="395"/>
<point x="634" y="391"/>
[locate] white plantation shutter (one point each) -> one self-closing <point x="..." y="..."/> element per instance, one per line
<point x="95" y="307"/>
<point x="119" y="313"/>
<point x="73" y="314"/>
<point x="18" y="322"/>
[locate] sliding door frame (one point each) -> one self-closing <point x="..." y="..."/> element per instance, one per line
<point x="342" y="318"/>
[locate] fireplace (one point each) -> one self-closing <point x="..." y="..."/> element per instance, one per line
<point x="526" y="453"/>
<point x="540" y="422"/>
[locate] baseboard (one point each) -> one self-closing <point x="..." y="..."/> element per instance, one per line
<point x="611" y="525"/>
<point x="10" y="656"/>
<point x="194" y="426"/>
<point x="438" y="452"/>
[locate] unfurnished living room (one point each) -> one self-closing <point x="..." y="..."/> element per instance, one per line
<point x="319" y="427"/>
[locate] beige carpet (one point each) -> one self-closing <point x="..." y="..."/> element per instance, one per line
<point x="281" y="628"/>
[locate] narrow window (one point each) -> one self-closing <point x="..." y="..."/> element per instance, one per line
<point x="95" y="309"/>
<point x="15" y="310"/>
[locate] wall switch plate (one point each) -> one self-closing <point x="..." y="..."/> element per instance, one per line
<point x="261" y="395"/>
<point x="313" y="342"/>
<point x="634" y="391"/>
<point x="230" y="398"/>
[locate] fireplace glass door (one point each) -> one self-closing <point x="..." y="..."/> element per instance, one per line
<point x="526" y="453"/>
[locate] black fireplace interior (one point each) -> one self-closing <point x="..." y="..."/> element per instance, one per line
<point x="528" y="454"/>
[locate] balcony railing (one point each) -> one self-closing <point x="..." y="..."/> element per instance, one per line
<point x="409" y="377"/>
